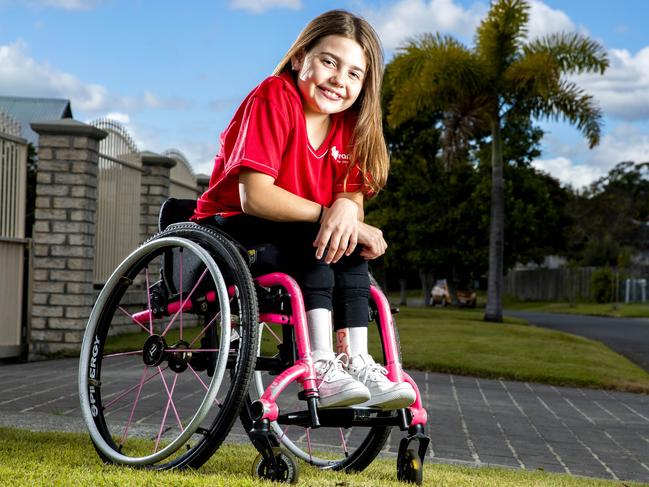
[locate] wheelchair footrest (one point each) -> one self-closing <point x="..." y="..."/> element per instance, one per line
<point x="343" y="417"/>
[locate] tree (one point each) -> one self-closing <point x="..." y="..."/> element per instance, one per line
<point x="502" y="77"/>
<point x="435" y="216"/>
<point x="611" y="216"/>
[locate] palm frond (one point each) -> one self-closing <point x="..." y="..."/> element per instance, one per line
<point x="462" y="123"/>
<point x="431" y="72"/>
<point x="532" y="75"/>
<point x="569" y="102"/>
<point x="574" y="52"/>
<point x="501" y="34"/>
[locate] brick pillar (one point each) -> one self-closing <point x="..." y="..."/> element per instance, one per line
<point x="64" y="234"/>
<point x="155" y="190"/>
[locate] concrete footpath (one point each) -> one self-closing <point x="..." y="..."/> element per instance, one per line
<point x="471" y="421"/>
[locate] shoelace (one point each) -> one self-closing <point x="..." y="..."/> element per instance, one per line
<point x="374" y="372"/>
<point x="334" y="366"/>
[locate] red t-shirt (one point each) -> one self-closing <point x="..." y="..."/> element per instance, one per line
<point x="268" y="134"/>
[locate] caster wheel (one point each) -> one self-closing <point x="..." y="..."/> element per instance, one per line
<point x="286" y="471"/>
<point x="410" y="468"/>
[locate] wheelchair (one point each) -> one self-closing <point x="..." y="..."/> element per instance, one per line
<point x="183" y="339"/>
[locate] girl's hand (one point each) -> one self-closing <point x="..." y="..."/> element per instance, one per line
<point x="371" y="238"/>
<point x="338" y="229"/>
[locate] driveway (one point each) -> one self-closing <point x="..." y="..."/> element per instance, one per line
<point x="627" y="336"/>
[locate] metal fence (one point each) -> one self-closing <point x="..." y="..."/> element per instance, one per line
<point x="13" y="183"/>
<point x="118" y="198"/>
<point x="562" y="284"/>
<point x="182" y="178"/>
<point x="568" y="284"/>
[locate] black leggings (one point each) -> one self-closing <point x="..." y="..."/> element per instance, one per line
<point x="288" y="247"/>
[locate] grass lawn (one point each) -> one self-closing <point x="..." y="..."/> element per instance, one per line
<point x="67" y="459"/>
<point x="458" y="341"/>
<point x="620" y="310"/>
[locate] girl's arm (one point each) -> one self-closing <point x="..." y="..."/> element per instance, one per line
<point x="260" y="197"/>
<point x="356" y="197"/>
<point x="339" y="224"/>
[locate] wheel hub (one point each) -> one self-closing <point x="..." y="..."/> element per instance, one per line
<point x="180" y="356"/>
<point x="153" y="352"/>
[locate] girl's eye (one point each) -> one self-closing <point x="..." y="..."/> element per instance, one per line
<point x="328" y="62"/>
<point x="355" y="75"/>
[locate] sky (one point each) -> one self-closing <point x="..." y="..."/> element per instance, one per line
<point x="173" y="73"/>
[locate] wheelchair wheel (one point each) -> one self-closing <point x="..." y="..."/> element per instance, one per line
<point x="174" y="317"/>
<point x="338" y="448"/>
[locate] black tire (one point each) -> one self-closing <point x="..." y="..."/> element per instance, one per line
<point x="359" y="449"/>
<point x="195" y="365"/>
<point x="410" y="468"/>
<point x="287" y="471"/>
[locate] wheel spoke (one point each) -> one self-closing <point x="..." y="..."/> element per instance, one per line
<point x="148" y="300"/>
<point x="205" y="329"/>
<point x="170" y="402"/>
<point x="137" y="398"/>
<point x="284" y="432"/>
<point x="121" y="395"/>
<point x="342" y="437"/>
<point x="130" y="316"/>
<point x="170" y="396"/>
<point x="218" y="403"/>
<point x="212" y="321"/>
<point x="182" y="305"/>
<point x="181" y="292"/>
<point x="122" y="354"/>
<point x="272" y="332"/>
<point x="171" y="350"/>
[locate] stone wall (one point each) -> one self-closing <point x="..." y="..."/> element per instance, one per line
<point x="63" y="235"/>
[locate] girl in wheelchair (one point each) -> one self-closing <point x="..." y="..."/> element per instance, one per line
<point x="297" y="160"/>
<point x="175" y="350"/>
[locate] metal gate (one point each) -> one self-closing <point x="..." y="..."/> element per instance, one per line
<point x="118" y="198"/>
<point x="13" y="244"/>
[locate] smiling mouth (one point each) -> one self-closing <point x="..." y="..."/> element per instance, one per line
<point x="330" y="94"/>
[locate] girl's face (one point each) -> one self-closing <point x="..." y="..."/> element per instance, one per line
<point x="330" y="76"/>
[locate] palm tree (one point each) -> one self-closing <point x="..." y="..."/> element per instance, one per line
<point x="504" y="76"/>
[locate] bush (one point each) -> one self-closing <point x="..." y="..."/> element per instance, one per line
<point x="602" y="285"/>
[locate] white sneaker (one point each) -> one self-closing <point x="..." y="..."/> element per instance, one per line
<point x="386" y="394"/>
<point x="336" y="387"/>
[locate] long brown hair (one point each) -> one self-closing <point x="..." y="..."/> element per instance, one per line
<point x="369" y="150"/>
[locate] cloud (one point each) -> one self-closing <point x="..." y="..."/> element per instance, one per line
<point x="546" y="20"/>
<point x="626" y="142"/>
<point x="568" y="172"/>
<point x="122" y="118"/>
<point x="21" y="75"/>
<point x="623" y="90"/>
<point x="408" y="18"/>
<point x="258" y="6"/>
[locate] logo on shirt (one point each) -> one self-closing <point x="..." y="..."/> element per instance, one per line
<point x="339" y="156"/>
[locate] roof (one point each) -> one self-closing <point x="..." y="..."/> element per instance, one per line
<point x="28" y="110"/>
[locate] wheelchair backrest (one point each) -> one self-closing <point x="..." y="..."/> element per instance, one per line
<point x="175" y="210"/>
